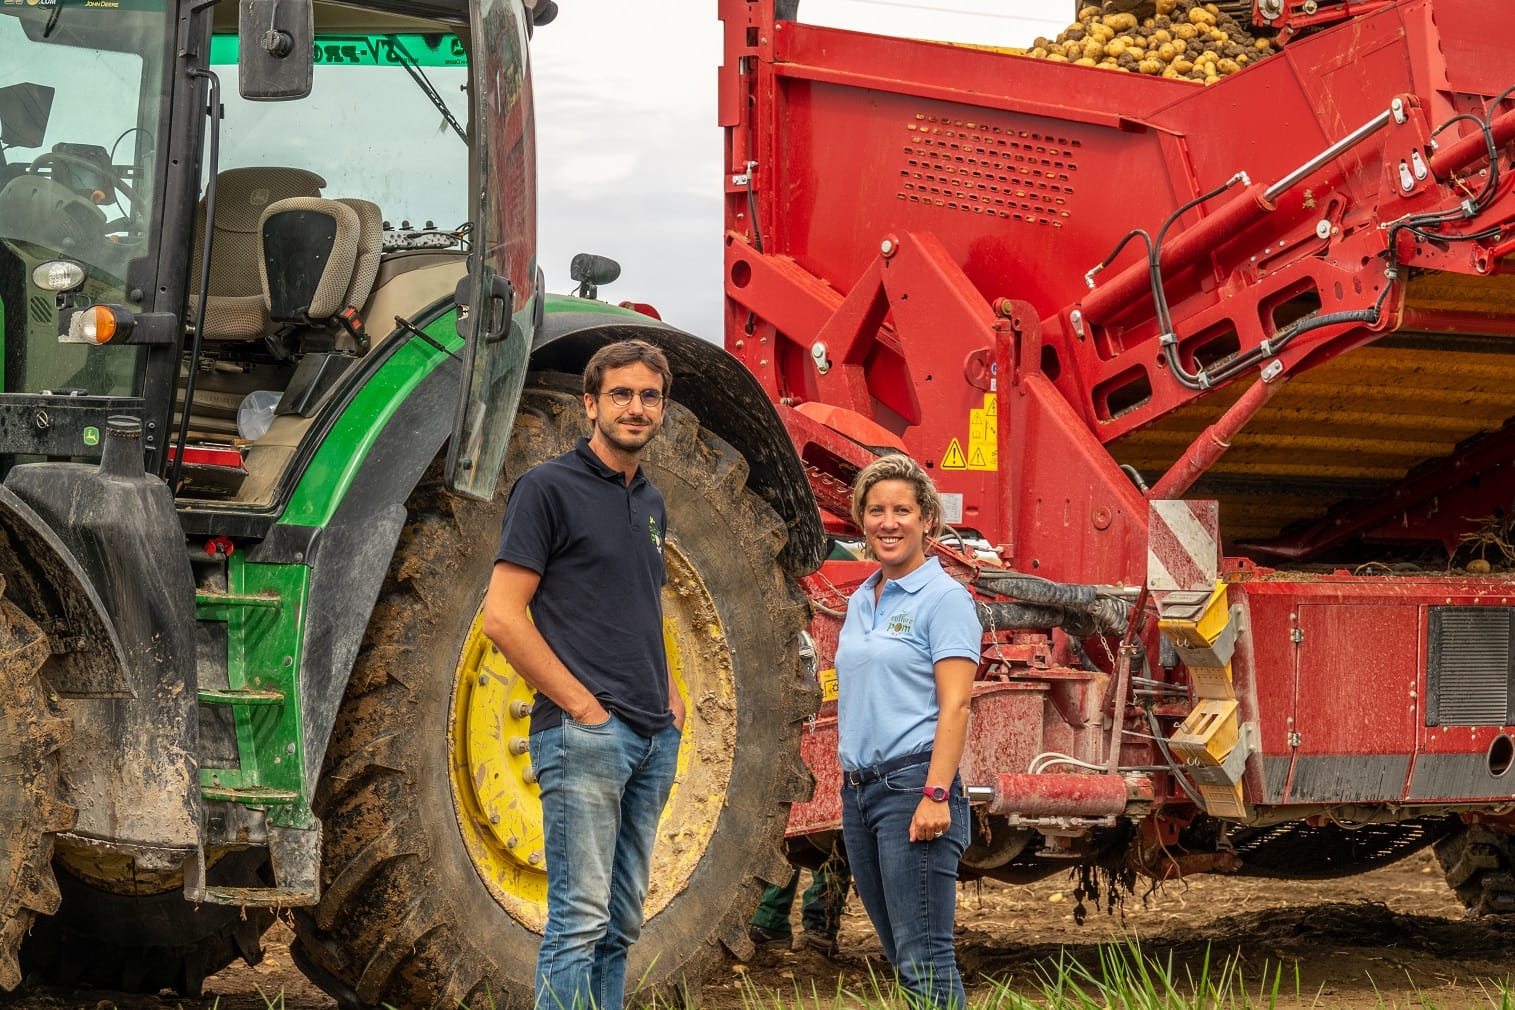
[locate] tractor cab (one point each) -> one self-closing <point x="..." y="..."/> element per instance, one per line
<point x="212" y="215"/>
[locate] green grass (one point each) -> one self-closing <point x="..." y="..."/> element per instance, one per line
<point x="1123" y="979"/>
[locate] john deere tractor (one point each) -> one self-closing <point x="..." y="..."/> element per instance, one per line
<point x="276" y="346"/>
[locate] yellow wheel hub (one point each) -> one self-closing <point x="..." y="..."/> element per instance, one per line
<point x="496" y="797"/>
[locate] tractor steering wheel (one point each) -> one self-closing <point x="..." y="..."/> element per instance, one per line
<point x="44" y="160"/>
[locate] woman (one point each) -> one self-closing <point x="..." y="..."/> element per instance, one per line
<point x="905" y="663"/>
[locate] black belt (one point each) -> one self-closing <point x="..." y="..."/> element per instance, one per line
<point x="873" y="773"/>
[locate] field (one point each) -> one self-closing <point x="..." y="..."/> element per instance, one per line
<point x="1391" y="938"/>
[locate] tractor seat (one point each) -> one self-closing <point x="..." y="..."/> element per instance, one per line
<point x="235" y="308"/>
<point x="318" y="262"/>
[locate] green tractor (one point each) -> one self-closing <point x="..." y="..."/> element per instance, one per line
<point x="260" y="415"/>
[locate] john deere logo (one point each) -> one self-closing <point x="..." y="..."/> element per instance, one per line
<point x="91" y="435"/>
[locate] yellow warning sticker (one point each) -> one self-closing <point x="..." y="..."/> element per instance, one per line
<point x="983" y="442"/>
<point x="953" y="458"/>
<point x="828" y="684"/>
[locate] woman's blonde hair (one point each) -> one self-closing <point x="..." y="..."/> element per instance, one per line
<point x="899" y="467"/>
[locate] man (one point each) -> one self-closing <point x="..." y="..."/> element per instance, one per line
<point x="582" y="547"/>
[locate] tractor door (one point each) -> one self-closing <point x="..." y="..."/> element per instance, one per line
<point x="498" y="302"/>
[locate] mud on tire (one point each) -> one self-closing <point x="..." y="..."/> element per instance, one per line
<point x="30" y="808"/>
<point x="411" y="914"/>
<point x="1479" y="864"/>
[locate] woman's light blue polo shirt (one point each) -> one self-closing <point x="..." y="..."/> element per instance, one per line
<point x="886" y="704"/>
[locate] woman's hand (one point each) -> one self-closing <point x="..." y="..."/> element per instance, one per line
<point x="931" y="820"/>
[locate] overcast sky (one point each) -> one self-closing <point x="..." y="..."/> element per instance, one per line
<point x="628" y="148"/>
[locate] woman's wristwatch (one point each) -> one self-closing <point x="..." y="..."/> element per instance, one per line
<point x="935" y="794"/>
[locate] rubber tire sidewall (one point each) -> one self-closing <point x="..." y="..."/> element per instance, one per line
<point x="425" y="895"/>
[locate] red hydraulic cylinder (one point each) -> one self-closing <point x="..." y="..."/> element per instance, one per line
<point x="1459" y="155"/>
<point x="1066" y="795"/>
<point x="1213" y="441"/>
<point x="1183" y="250"/>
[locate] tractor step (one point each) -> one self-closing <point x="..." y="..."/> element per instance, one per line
<point x="258" y="897"/>
<point x="295" y="856"/>
<point x="250" y="795"/>
<point x="217" y="696"/>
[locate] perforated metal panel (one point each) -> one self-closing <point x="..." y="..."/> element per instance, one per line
<point x="1471" y="666"/>
<point x="985" y="168"/>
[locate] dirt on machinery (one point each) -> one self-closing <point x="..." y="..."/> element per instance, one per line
<point x="1391" y="938"/>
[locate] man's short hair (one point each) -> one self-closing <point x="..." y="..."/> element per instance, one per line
<point x="626" y="352"/>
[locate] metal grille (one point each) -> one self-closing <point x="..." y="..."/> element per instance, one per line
<point x="980" y="168"/>
<point x="1471" y="666"/>
<point x="42" y="308"/>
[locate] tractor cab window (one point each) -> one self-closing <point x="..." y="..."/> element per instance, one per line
<point x="80" y="111"/>
<point x="384" y="122"/>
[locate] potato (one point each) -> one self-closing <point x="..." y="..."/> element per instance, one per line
<point x="1084" y="62"/>
<point x="1166" y="6"/>
<point x="1166" y="52"/>
<point x="1228" y="66"/>
<point x="1200" y="16"/>
<point x="1056" y="58"/>
<point x="1115" y="48"/>
<point x="1093" y="49"/>
<point x="1160" y="36"/>
<point x="1182" y="66"/>
<point x="1185" y="31"/>
<point x="1121" y="22"/>
<point x="1150" y="66"/>
<point x="1263" y="45"/>
<point x="1088" y="13"/>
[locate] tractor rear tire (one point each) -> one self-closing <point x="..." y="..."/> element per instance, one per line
<point x="432" y="883"/>
<point x="144" y="943"/>
<point x="31" y="810"/>
<point x="1479" y="864"/>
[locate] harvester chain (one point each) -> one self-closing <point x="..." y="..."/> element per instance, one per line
<point x="1300" y="850"/>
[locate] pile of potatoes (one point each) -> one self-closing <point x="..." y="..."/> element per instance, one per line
<point x="1181" y="39"/>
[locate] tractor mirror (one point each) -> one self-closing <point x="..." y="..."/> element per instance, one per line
<point x="591" y="271"/>
<point x="275" y="46"/>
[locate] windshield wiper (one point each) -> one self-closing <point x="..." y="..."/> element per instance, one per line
<point x="414" y="70"/>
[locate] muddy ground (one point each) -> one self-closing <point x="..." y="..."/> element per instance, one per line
<point x="1392" y="938"/>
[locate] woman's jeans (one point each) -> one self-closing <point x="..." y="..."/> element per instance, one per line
<point x="603" y="790"/>
<point x="908" y="888"/>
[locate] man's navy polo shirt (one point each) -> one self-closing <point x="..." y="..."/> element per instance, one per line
<point x="598" y="545"/>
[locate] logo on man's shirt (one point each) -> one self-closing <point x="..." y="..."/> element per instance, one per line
<point x="899" y="624"/>
<point x="657" y="539"/>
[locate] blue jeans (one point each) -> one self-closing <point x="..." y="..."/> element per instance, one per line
<point x="603" y="790"/>
<point x="909" y="889"/>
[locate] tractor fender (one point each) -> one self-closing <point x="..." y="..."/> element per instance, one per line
<point x="43" y="578"/>
<point x="349" y="554"/>
<point x="720" y="390"/>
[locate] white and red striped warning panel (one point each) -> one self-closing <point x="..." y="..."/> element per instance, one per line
<point x="1183" y="546"/>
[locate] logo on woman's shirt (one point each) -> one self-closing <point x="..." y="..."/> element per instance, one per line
<point x="899" y="625"/>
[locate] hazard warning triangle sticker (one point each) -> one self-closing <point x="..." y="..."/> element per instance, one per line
<point x="954" y="459"/>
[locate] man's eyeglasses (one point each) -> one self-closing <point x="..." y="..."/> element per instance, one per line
<point x="621" y="396"/>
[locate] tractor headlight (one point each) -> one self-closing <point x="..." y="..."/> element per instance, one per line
<point x="58" y="275"/>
